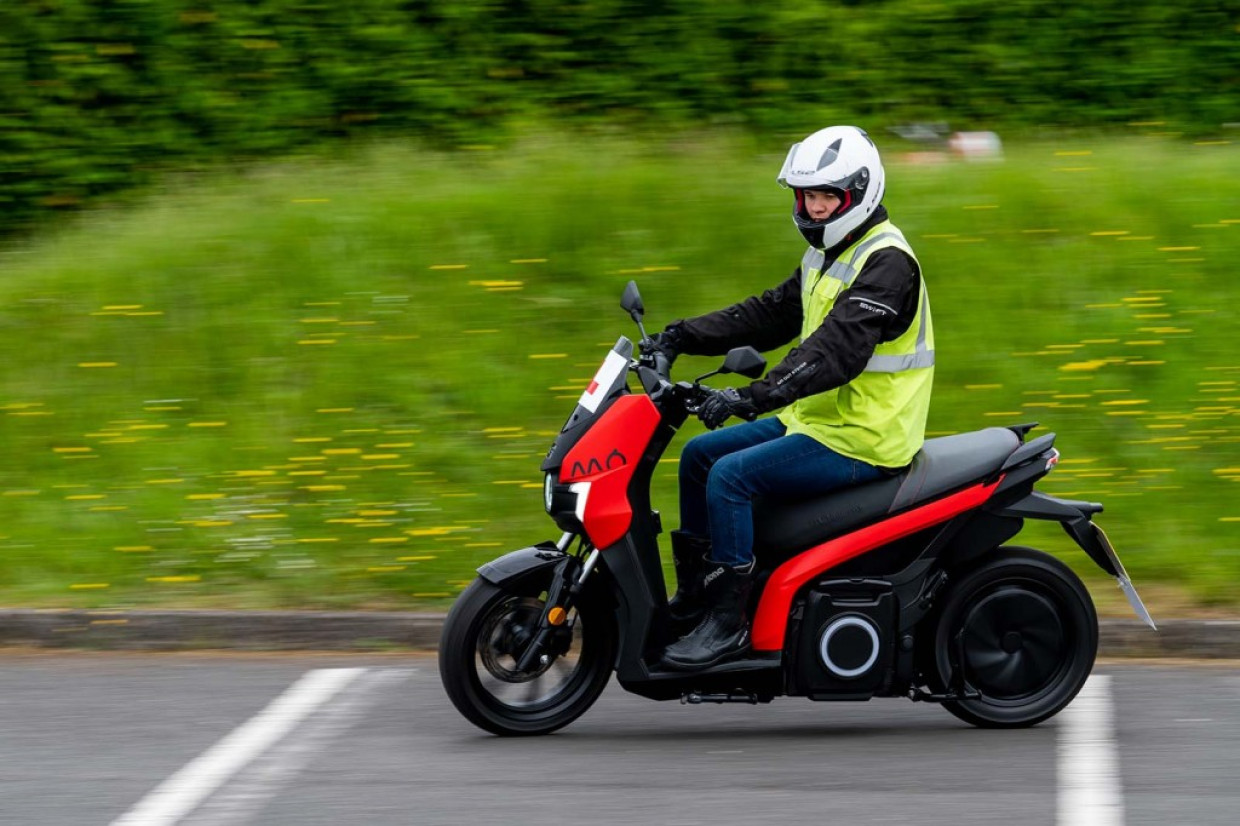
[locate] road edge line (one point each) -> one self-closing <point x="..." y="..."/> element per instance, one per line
<point x="182" y="792"/>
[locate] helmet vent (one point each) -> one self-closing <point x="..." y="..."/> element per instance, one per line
<point x="829" y="157"/>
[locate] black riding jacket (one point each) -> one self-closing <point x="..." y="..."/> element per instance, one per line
<point x="878" y="306"/>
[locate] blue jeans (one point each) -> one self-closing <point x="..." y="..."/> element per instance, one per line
<point x="723" y="471"/>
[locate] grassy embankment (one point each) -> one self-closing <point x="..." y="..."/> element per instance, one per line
<point x="329" y="384"/>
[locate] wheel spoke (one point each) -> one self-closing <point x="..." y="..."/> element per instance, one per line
<point x="1003" y="679"/>
<point x="986" y="659"/>
<point x="1043" y="655"/>
<point x="1044" y="635"/>
<point x="1022" y="611"/>
<point x="985" y="625"/>
<point x="1033" y="673"/>
<point x="491" y="685"/>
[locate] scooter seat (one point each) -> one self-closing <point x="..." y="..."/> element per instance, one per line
<point x="941" y="466"/>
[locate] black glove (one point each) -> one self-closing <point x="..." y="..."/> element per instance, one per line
<point x="667" y="342"/>
<point x="721" y="404"/>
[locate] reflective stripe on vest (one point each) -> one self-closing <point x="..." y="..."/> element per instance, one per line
<point x="923" y="357"/>
<point x="814" y="259"/>
<point x="839" y="269"/>
<point x="811" y="267"/>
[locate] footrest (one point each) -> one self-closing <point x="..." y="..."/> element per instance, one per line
<point x="752" y="661"/>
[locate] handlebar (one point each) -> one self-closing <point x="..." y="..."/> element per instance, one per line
<point x="655" y="359"/>
<point x="662" y="365"/>
<point x="655" y="369"/>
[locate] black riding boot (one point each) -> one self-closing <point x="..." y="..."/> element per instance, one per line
<point x="688" y="605"/>
<point x="724" y="631"/>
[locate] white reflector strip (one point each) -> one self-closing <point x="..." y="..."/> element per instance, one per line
<point x="612" y="366"/>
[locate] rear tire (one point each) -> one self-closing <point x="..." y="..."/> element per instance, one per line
<point x="1023" y="629"/>
<point x="484" y="634"/>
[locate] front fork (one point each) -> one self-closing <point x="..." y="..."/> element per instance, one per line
<point x="566" y="584"/>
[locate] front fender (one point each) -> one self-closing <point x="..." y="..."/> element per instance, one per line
<point x="517" y="565"/>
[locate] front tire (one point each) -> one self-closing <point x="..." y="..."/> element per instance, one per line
<point x="484" y="635"/>
<point x="1021" y="629"/>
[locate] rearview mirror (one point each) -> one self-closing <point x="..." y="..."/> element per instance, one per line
<point x="631" y="302"/>
<point x="744" y="361"/>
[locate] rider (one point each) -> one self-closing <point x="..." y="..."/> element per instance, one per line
<point x="855" y="392"/>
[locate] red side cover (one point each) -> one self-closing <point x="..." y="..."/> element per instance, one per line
<point x="607" y="456"/>
<point x="771" y="618"/>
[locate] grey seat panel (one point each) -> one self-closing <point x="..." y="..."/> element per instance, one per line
<point x="942" y="465"/>
<point x="952" y="461"/>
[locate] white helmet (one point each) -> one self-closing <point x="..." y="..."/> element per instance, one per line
<point x="842" y="160"/>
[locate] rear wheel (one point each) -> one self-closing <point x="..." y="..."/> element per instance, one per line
<point x="1021" y="631"/>
<point x="483" y="637"/>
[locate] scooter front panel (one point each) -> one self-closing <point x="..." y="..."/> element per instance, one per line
<point x="605" y="459"/>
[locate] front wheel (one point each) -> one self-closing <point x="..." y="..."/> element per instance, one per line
<point x="1021" y="632"/>
<point x="483" y="637"/>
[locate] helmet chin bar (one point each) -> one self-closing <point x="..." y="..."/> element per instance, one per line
<point x="814" y="231"/>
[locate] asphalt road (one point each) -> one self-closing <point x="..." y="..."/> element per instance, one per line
<point x="149" y="739"/>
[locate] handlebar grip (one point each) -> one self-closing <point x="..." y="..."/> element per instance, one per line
<point x="694" y="396"/>
<point x="661" y="365"/>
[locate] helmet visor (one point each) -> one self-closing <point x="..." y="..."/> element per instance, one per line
<point x="786" y="169"/>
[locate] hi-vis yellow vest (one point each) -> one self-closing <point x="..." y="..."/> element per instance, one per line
<point x="880" y="416"/>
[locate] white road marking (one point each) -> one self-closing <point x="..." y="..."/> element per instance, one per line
<point x="1090" y="792"/>
<point x="181" y="793"/>
<point x="243" y="798"/>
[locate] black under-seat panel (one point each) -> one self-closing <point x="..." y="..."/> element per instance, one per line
<point x="942" y="465"/>
<point x="784" y="526"/>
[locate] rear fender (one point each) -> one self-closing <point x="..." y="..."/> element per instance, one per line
<point x="516" y="566"/>
<point x="1073" y="515"/>
<point x="1076" y="518"/>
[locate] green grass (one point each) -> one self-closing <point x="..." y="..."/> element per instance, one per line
<point x="329" y="382"/>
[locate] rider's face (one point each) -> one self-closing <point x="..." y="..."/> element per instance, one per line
<point x="820" y="205"/>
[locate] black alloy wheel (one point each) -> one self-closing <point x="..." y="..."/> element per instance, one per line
<point x="1020" y="629"/>
<point x="484" y="636"/>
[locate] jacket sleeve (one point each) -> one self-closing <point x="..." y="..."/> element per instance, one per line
<point x="879" y="306"/>
<point x="763" y="321"/>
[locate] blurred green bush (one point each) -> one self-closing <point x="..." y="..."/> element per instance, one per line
<point x="97" y="94"/>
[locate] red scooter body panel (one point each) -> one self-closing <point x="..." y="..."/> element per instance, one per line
<point x="771" y="618"/>
<point x="607" y="457"/>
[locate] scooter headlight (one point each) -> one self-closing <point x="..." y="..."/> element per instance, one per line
<point x="565" y="503"/>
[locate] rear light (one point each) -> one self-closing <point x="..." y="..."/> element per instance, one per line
<point x="1053" y="460"/>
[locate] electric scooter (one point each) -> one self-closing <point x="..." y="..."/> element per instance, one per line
<point x="903" y="587"/>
